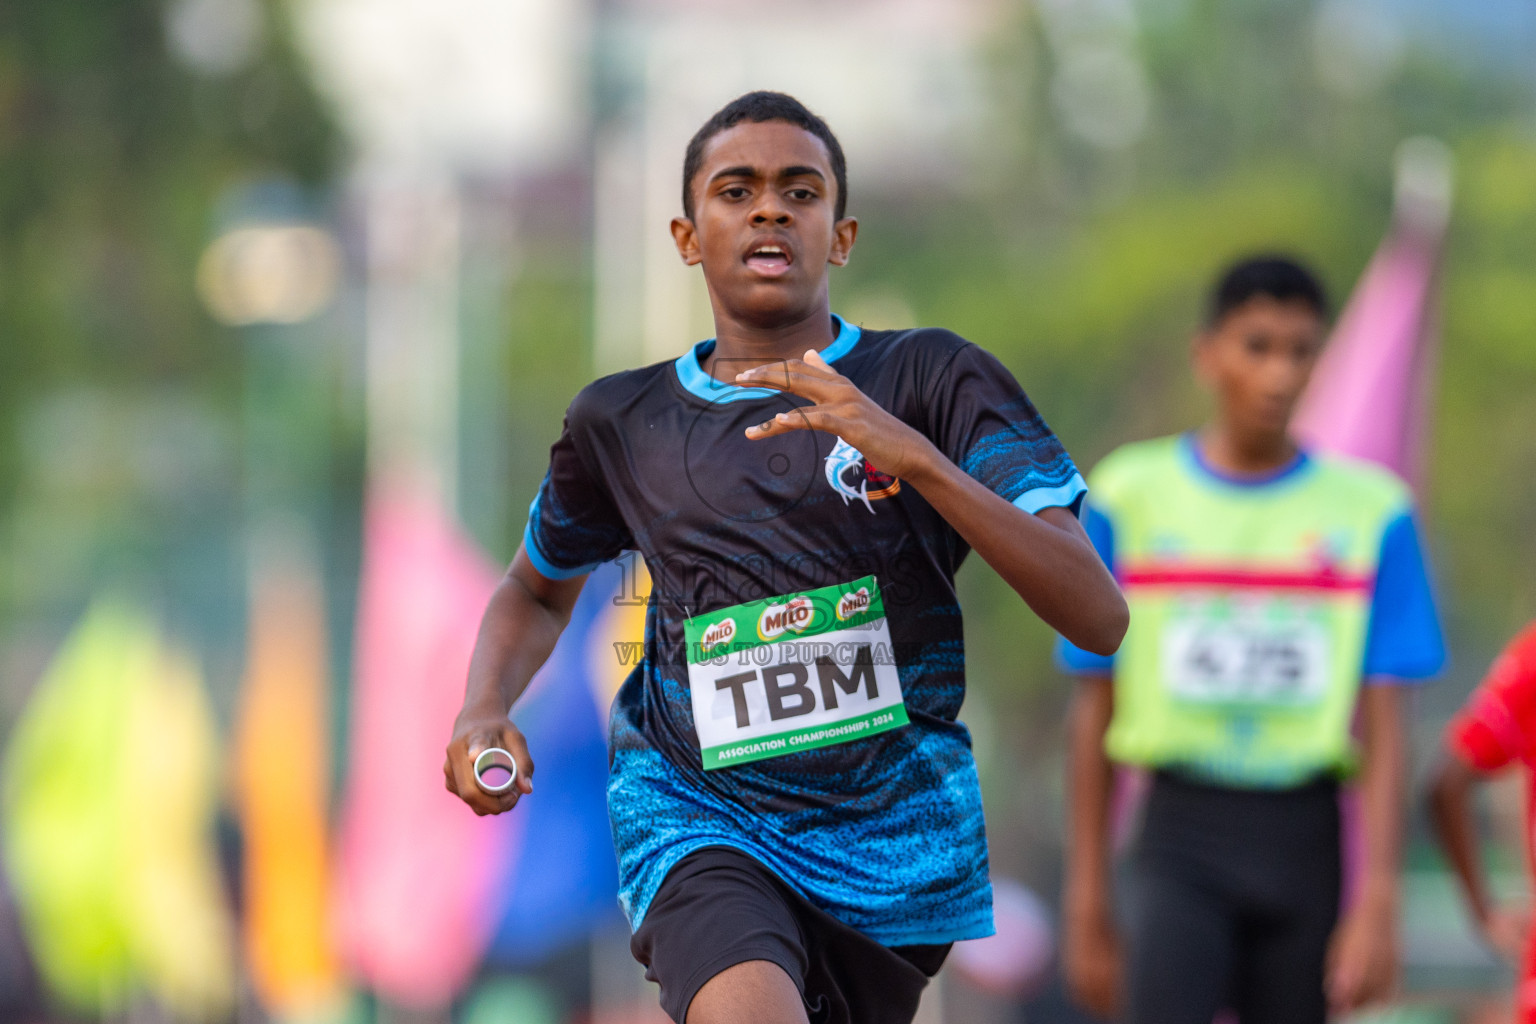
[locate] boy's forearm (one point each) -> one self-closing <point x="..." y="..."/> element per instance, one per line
<point x="517" y="634"/>
<point x="1047" y="558"/>
<point x="1382" y="793"/>
<point x="1090" y="785"/>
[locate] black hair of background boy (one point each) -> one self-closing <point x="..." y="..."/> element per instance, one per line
<point x="758" y="107"/>
<point x="1277" y="277"/>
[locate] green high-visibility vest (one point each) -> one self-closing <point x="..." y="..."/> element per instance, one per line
<point x="1249" y="610"/>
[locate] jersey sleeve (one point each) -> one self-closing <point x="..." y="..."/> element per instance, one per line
<point x="1404" y="642"/>
<point x="1498" y="723"/>
<point x="573" y="523"/>
<point x="982" y="420"/>
<point x="1069" y="657"/>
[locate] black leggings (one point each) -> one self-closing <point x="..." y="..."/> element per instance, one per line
<point x="1234" y="895"/>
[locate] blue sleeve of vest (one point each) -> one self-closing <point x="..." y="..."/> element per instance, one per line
<point x="1404" y="642"/>
<point x="1074" y="659"/>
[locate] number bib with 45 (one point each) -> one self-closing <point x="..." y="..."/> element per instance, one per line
<point x="792" y="673"/>
<point x="1273" y="651"/>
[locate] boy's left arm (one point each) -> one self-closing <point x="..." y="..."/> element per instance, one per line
<point x="1363" y="955"/>
<point x="1404" y="645"/>
<point x="1045" y="556"/>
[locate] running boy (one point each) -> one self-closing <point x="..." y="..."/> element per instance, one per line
<point x="1495" y="729"/>
<point x="794" y="806"/>
<point x="1266" y="583"/>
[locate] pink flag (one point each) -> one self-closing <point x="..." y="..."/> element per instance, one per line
<point x="1369" y="397"/>
<point x="416" y="865"/>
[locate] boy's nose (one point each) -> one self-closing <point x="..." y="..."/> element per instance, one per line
<point x="770" y="211"/>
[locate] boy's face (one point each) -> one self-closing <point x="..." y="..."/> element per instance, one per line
<point x="1257" y="360"/>
<point x="763" y="223"/>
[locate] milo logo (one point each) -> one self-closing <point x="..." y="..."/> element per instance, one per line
<point x="853" y="603"/>
<point x="720" y="633"/>
<point x="793" y="617"/>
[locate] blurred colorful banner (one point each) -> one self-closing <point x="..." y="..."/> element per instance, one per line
<point x="111" y="788"/>
<point x="428" y="890"/>
<point x="282" y="785"/>
<point x="414" y="864"/>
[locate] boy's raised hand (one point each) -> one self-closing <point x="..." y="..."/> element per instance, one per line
<point x="840" y="408"/>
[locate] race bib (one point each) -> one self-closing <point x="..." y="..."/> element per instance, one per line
<point x="1266" y="651"/>
<point x="792" y="673"/>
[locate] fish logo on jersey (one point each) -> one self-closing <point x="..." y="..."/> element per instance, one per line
<point x="853" y="476"/>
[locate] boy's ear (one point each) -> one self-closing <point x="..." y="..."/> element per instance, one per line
<point x="844" y="233"/>
<point x="686" y="239"/>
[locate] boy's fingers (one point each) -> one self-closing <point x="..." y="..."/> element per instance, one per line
<point x="811" y="417"/>
<point x="788" y="374"/>
<point x="789" y="382"/>
<point x="517" y="746"/>
<point x="772" y="428"/>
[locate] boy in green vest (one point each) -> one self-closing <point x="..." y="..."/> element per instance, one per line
<point x="1277" y="595"/>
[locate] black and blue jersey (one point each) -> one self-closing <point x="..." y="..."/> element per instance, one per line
<point x="883" y="831"/>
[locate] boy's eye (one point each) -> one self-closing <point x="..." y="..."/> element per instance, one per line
<point x="734" y="192"/>
<point x="801" y="193"/>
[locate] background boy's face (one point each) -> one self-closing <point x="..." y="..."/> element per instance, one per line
<point x="1257" y="360"/>
<point x="763" y="222"/>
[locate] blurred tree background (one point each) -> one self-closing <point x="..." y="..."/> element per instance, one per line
<point x="120" y="432"/>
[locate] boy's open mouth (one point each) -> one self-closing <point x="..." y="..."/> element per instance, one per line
<point x="770" y="258"/>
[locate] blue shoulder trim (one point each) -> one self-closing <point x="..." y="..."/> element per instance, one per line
<point x="1068" y="495"/>
<point x="546" y="568"/>
<point x="692" y="376"/>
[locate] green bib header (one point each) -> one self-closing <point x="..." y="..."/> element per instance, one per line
<point x="788" y="617"/>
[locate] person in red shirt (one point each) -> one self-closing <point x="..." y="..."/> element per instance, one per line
<point x="1496" y="728"/>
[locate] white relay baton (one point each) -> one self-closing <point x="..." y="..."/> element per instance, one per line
<point x="495" y="771"/>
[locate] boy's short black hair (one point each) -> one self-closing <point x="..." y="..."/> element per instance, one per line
<point x="758" y="107"/>
<point x="1279" y="277"/>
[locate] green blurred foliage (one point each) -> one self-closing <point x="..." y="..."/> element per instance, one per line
<point x="115" y="159"/>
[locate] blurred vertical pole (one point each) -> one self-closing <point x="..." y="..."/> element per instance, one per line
<point x="415" y="865"/>
<point x="645" y="298"/>
<point x="412" y="223"/>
